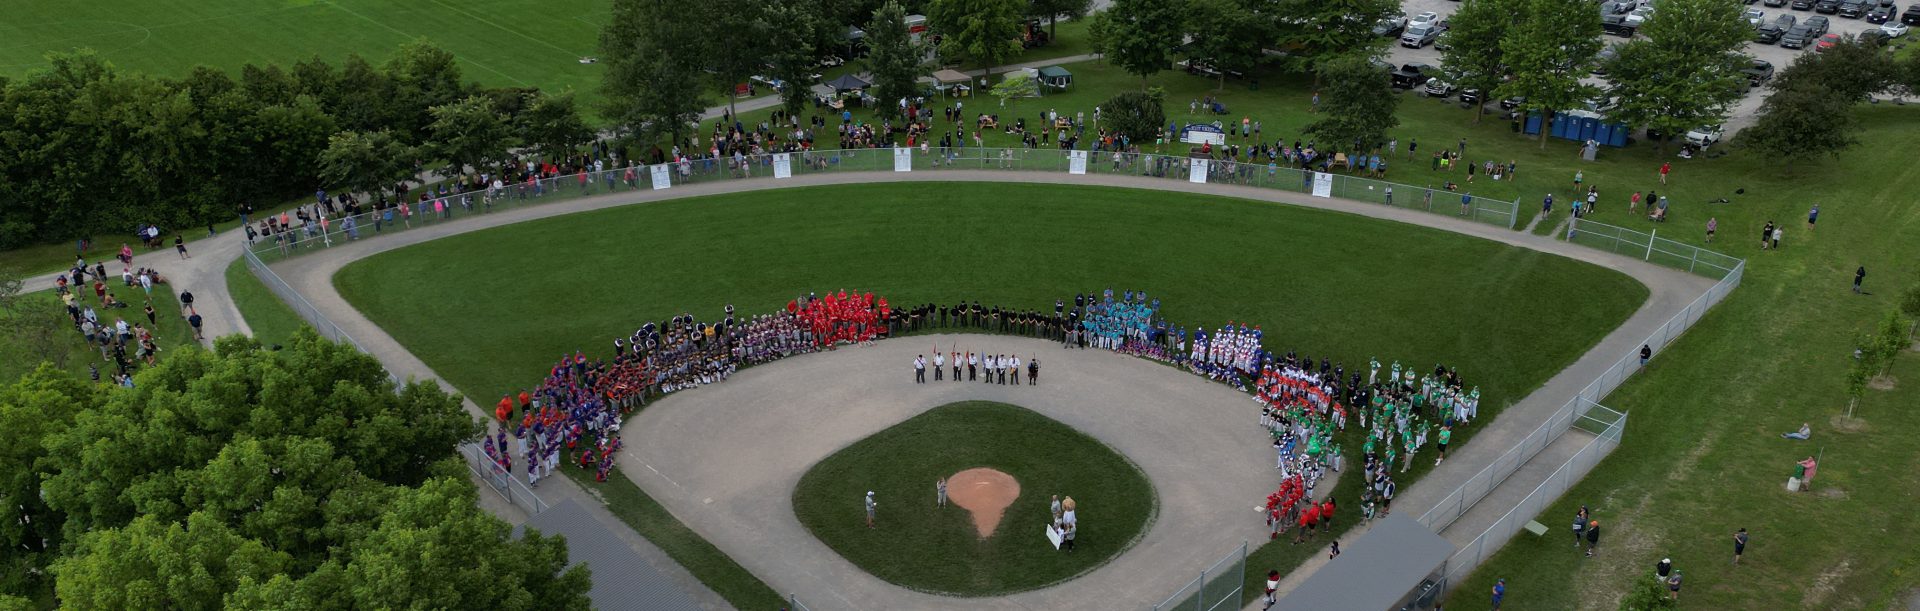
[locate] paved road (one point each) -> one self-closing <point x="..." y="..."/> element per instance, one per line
<point x="792" y="568"/>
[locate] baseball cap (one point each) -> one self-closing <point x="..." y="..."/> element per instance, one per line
<point x="869" y="493"/>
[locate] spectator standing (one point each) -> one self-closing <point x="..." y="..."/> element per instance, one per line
<point x="1664" y="169"/>
<point x="1813" y="216"/>
<point x="1499" y="592"/>
<point x="1739" y="544"/>
<point x="871" y="506"/>
<point x="1593" y="536"/>
<point x="1859" y="276"/>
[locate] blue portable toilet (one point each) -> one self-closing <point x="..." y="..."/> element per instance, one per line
<point x="1559" y="127"/>
<point x="1533" y="124"/>
<point x="1589" y="128"/>
<point x="1616" y="135"/>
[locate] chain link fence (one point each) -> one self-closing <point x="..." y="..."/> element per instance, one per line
<point x="1218" y="587"/>
<point x="483" y="468"/>
<point x="308" y="236"/>
<point x="1650" y="247"/>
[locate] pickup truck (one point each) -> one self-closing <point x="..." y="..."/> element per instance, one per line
<point x="1854" y="9"/>
<point x="1759" y="73"/>
<point x="1413" y="75"/>
<point x="1798" y="37"/>
<point x="1420" y="35"/>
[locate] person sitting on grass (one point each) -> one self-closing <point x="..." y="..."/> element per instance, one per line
<point x="1804" y="432"/>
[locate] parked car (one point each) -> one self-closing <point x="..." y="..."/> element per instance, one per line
<point x="1640" y="15"/>
<point x="1798" y="37"/>
<point x="1774" y="3"/>
<point x="1802" y="5"/>
<point x="1874" y="36"/>
<point x="1911" y="16"/>
<point x="1439" y="88"/>
<point x="1513" y="102"/>
<point x="1755" y="17"/>
<point x="1471" y="96"/>
<point x="1759" y="73"/>
<point x="1703" y="137"/>
<point x="1425" y="18"/>
<point x="1854" y="9"/>
<point x="1617" y="25"/>
<point x="1604" y="57"/>
<point x="1826" y="7"/>
<point x="1618" y="7"/>
<point x="1771" y="32"/>
<point x="1413" y="75"/>
<point x="1818" y="23"/>
<point x="1894" y="29"/>
<point x="1882" y="13"/>
<point x="1418" y="36"/>
<point x="1390" y="27"/>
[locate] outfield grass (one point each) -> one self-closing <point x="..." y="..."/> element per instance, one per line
<point x="602" y="272"/>
<point x="940" y="550"/>
<point x="272" y="322"/>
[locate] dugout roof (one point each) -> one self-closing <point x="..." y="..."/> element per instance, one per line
<point x="1377" y="572"/>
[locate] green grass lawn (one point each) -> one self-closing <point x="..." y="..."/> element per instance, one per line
<point x="272" y="322"/>
<point x="1702" y="455"/>
<point x="19" y="355"/>
<point x="601" y="273"/>
<point x="939" y="549"/>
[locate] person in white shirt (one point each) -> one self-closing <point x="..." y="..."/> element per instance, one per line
<point x="939" y="364"/>
<point x="1015" y="367"/>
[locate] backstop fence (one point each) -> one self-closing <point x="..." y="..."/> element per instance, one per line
<point x="304" y="236"/>
<point x="496" y="475"/>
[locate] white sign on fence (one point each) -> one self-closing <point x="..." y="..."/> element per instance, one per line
<point x="1076" y="162"/>
<point x="1198" y="170"/>
<point x="1322" y="184"/>
<point x="902" y="159"/>
<point x="662" y="176"/>
<point x="782" y="165"/>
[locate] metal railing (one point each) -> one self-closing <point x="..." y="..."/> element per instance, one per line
<point x="1471" y="555"/>
<point x="441" y="209"/>
<point x="483" y="468"/>
<point x="1462" y="499"/>
<point x="1217" y="587"/>
<point x="1650" y="247"/>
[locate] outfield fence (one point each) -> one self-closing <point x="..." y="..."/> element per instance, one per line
<point x="483" y="468"/>
<point x="1650" y="247"/>
<point x="1217" y="587"/>
<point x="444" y="208"/>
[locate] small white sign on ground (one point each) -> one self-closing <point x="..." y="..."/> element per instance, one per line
<point x="662" y="176"/>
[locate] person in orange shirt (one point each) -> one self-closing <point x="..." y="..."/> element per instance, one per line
<point x="526" y="401"/>
<point x="505" y="409"/>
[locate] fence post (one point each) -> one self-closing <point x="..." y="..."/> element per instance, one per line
<point x="1650" y="239"/>
<point x="1695" y="259"/>
<point x="1200" y="593"/>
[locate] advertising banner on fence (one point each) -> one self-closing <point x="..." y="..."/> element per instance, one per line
<point x="1076" y="162"/>
<point x="902" y="159"/>
<point x="1198" y="170"/>
<point x="782" y="165"/>
<point x="662" y="176"/>
<point x="1322" y="184"/>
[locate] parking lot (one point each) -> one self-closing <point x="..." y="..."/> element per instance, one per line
<point x="1741" y="114"/>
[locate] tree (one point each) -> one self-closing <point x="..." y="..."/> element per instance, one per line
<point x="365" y="162"/>
<point x="1852" y="69"/>
<point x="1224" y="35"/>
<point x="423" y="76"/>
<point x="1360" y="104"/>
<point x="1910" y="302"/>
<point x="1646" y="594"/>
<point x="1473" y="58"/>
<point x="654" y="69"/>
<point x="1548" y="52"/>
<point x="1137" y="115"/>
<point x="895" y="60"/>
<point x="1700" y="39"/>
<point x="1889" y="339"/>
<point x="739" y="33"/>
<point x="467" y="133"/>
<point x="1139" y="36"/>
<point x="1315" y="31"/>
<point x="795" y="47"/>
<point x="44" y="400"/>
<point x="551" y="125"/>
<point x="1801" y="123"/>
<point x="1015" y="86"/>
<point x="249" y="478"/>
<point x="983" y="32"/>
<point x="1052" y="10"/>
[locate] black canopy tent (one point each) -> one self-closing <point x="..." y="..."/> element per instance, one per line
<point x="848" y="82"/>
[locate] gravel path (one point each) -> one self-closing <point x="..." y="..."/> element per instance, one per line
<point x="733" y="481"/>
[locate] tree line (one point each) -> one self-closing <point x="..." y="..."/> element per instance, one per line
<point x="249" y="478"/>
<point x="86" y="148"/>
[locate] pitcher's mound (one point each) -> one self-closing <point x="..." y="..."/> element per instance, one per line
<point x="985" y="493"/>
